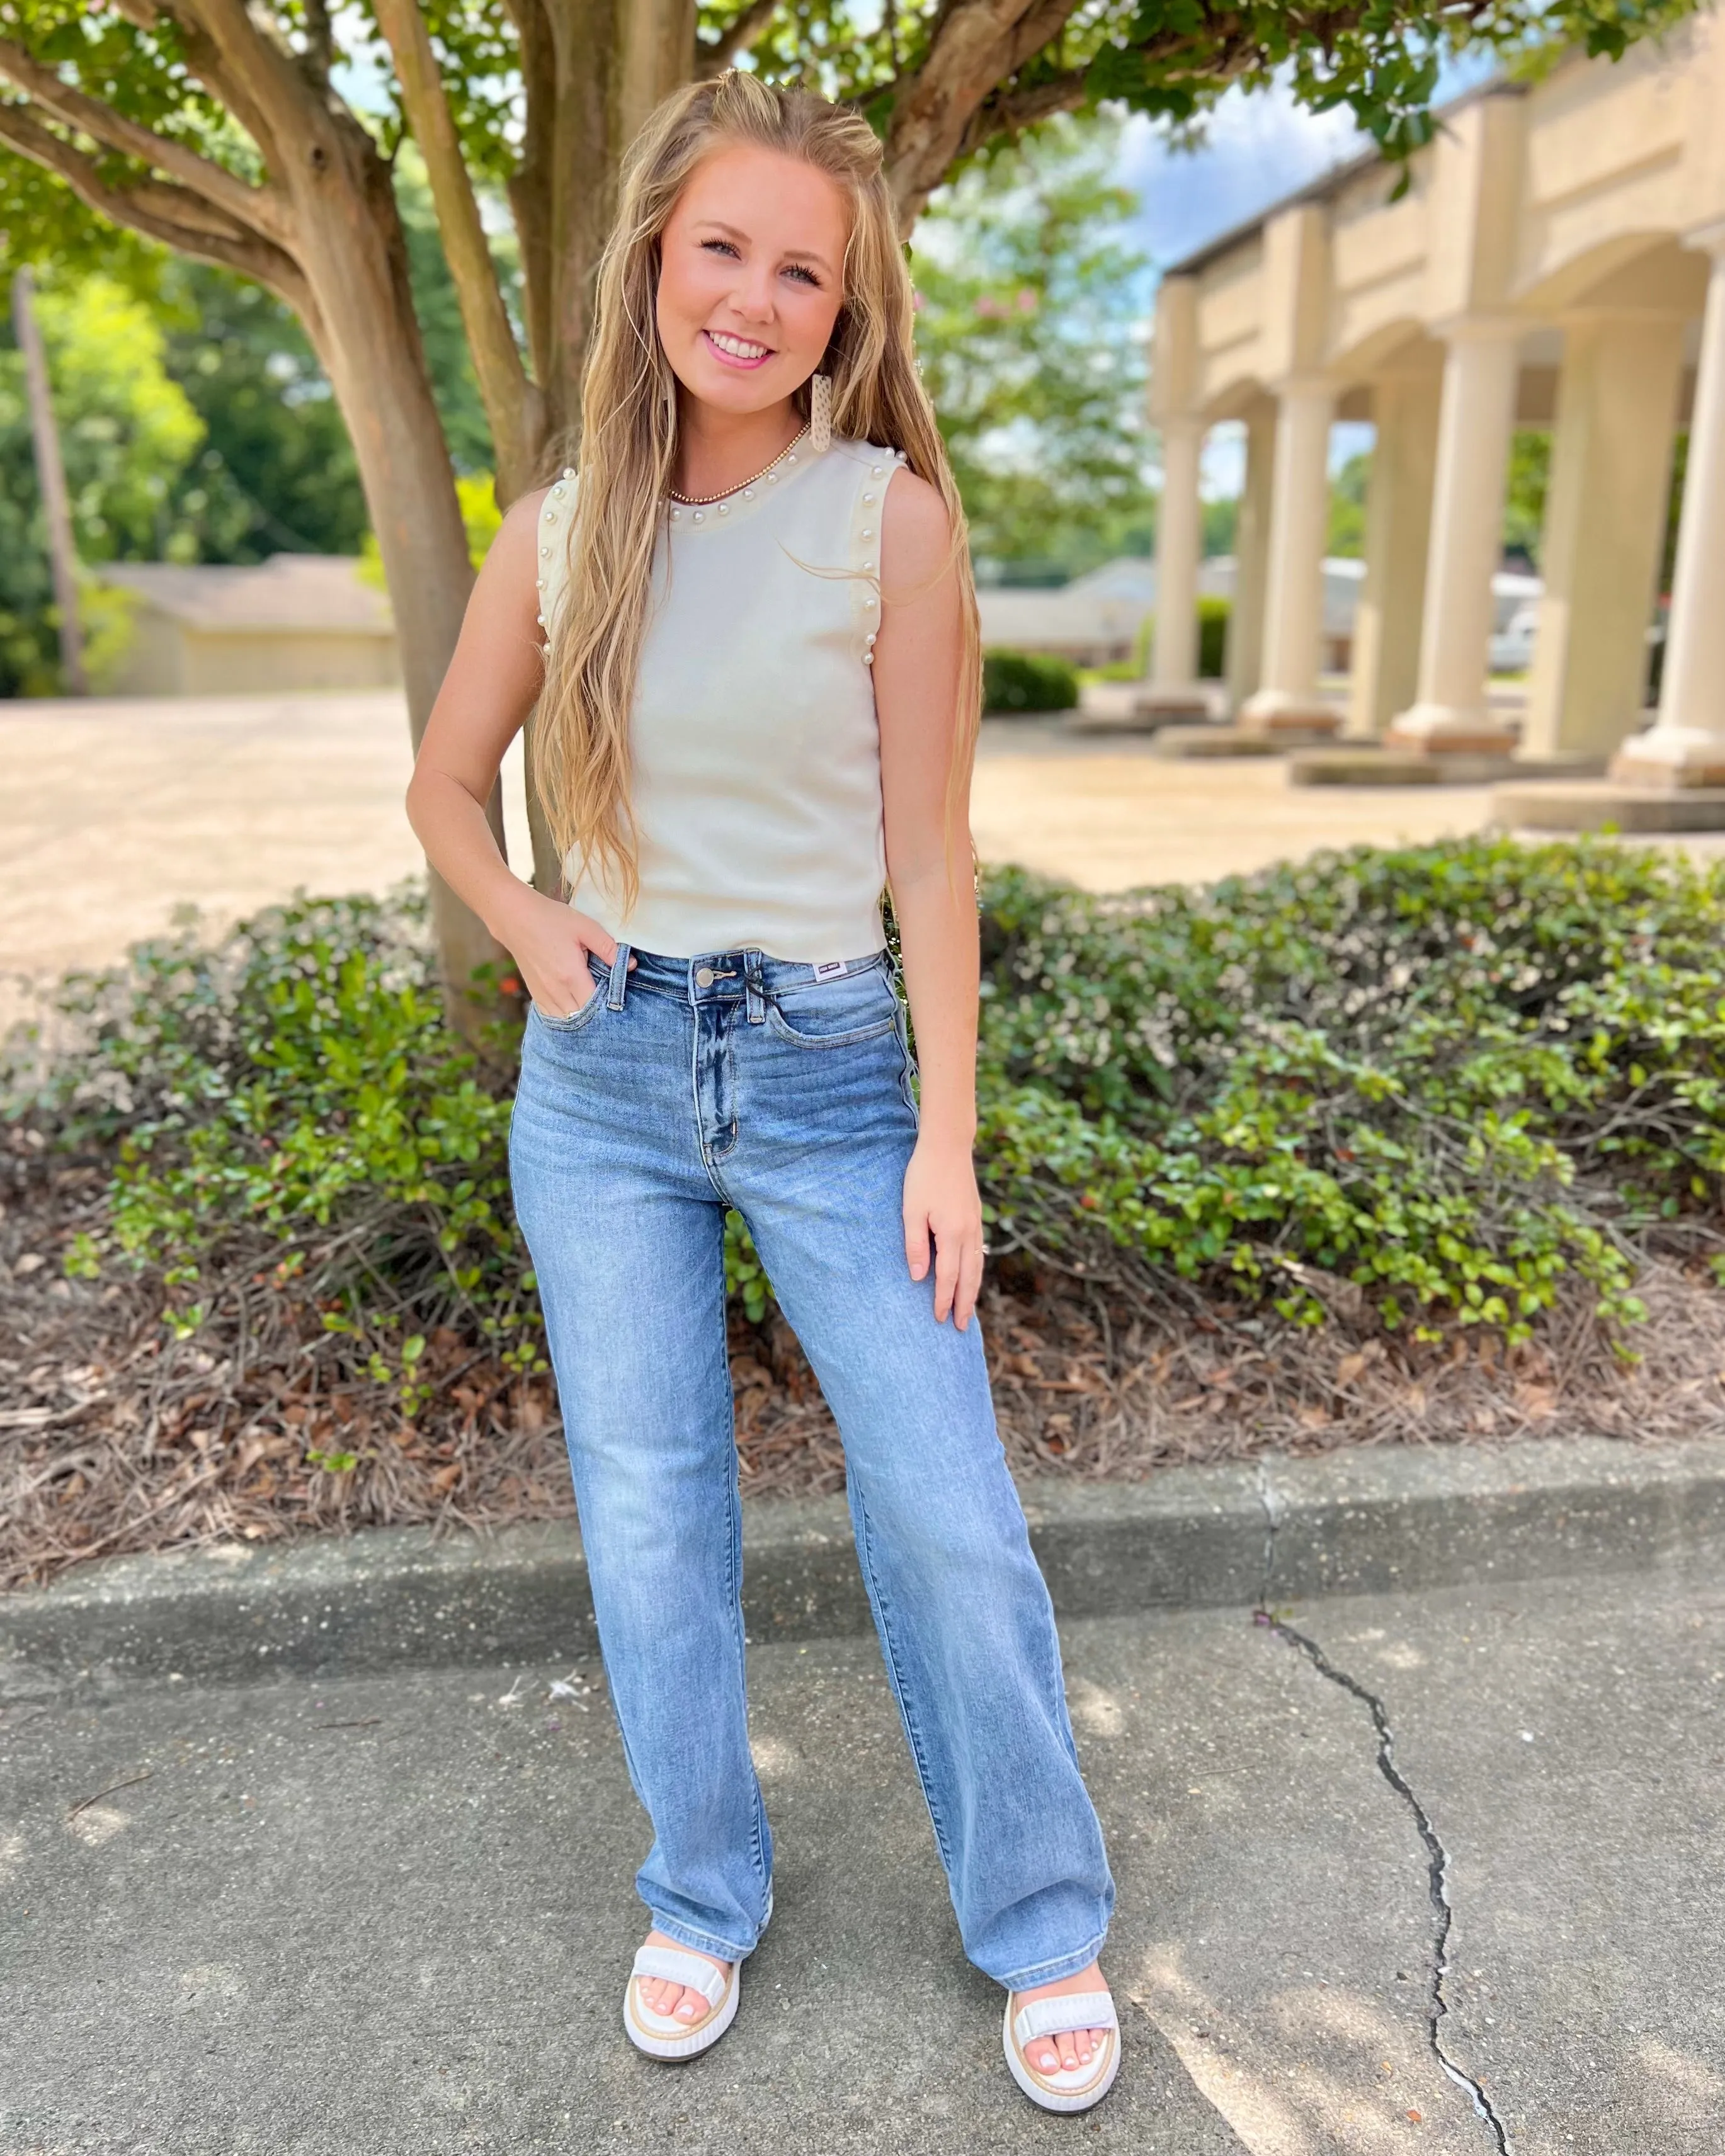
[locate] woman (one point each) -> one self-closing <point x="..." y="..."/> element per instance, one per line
<point x="757" y="687"/>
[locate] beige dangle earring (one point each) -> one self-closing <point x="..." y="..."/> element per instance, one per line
<point x="820" y="412"/>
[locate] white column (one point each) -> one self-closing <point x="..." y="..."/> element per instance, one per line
<point x="1604" y="531"/>
<point x="1475" y="422"/>
<point x="1685" y="746"/>
<point x="1251" y="556"/>
<point x="1386" y="629"/>
<point x="1293" y="608"/>
<point x="1179" y="539"/>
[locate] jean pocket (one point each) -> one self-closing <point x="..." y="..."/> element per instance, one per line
<point x="834" y="1013"/>
<point x="576" y="1020"/>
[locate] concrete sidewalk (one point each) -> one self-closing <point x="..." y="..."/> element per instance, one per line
<point x="349" y="1917"/>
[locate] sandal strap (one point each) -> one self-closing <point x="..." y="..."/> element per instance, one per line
<point x="1063" y="2013"/>
<point x="694" y="1971"/>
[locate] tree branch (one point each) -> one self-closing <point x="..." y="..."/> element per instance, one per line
<point x="1041" y="27"/>
<point x="963" y="91"/>
<point x="1007" y="112"/>
<point x="179" y="206"/>
<point x="170" y="214"/>
<point x="741" y="36"/>
<point x="249" y="67"/>
<point x="319" y="38"/>
<point x="257" y="208"/>
<point x="977" y="46"/>
<point x="511" y="400"/>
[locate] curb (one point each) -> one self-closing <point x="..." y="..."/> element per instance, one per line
<point x="1346" y="1522"/>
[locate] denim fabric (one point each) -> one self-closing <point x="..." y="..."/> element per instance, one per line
<point x="734" y="1079"/>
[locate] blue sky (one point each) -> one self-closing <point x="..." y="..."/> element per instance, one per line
<point x="1257" y="149"/>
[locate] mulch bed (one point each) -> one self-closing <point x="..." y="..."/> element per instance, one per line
<point x="114" y="1437"/>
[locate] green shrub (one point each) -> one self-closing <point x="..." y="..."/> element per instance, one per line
<point x="1447" y="1077"/>
<point x="1027" y="681"/>
<point x="1213" y="614"/>
<point x="297" y="1086"/>
<point x="1439" y="1081"/>
<point x="1212" y="638"/>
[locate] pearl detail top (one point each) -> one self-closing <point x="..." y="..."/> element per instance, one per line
<point x="755" y="750"/>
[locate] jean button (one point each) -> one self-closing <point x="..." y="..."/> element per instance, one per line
<point x="704" y="976"/>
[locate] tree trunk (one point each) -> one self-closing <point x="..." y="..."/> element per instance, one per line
<point x="593" y="70"/>
<point x="51" y="478"/>
<point x="355" y="259"/>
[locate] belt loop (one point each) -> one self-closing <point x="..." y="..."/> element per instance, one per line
<point x="620" y="978"/>
<point x="754" y="991"/>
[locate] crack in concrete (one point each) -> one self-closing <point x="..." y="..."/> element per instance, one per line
<point x="1437" y="1856"/>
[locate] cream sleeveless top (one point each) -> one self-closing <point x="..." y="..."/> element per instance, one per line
<point x="757" y="755"/>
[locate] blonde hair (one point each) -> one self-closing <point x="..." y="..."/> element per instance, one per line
<point x="628" y="438"/>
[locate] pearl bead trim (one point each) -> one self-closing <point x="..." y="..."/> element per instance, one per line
<point x="559" y="488"/>
<point x="868" y="599"/>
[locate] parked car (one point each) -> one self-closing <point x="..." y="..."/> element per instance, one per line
<point x="1513" y="646"/>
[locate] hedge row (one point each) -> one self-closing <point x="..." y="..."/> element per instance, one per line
<point x="1436" y="1082"/>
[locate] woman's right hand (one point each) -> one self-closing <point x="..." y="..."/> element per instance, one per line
<point x="550" y="943"/>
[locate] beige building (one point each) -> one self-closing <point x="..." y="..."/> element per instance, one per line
<point x="1557" y="258"/>
<point x="296" y="622"/>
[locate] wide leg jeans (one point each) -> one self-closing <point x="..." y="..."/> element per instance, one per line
<point x="680" y="1088"/>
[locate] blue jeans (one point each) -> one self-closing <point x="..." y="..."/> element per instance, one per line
<point x="737" y="1080"/>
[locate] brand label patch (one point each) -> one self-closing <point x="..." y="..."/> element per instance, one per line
<point x="829" y="969"/>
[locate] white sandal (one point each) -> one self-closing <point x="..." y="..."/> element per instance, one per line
<point x="659" y="2035"/>
<point x="1071" y="2088"/>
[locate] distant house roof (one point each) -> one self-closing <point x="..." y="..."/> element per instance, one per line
<point x="1104" y="606"/>
<point x="1067" y="620"/>
<point x="1130" y="577"/>
<point x="289" y="591"/>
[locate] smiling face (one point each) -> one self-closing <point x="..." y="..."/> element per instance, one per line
<point x="750" y="279"/>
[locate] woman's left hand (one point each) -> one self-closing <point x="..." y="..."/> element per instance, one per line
<point x="941" y="1204"/>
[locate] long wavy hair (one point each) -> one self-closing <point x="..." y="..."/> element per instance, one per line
<point x="580" y="739"/>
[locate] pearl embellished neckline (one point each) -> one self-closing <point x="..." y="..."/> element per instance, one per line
<point x="683" y="510"/>
<point x="697" y="502"/>
<point x="864" y="558"/>
<point x="712" y="506"/>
